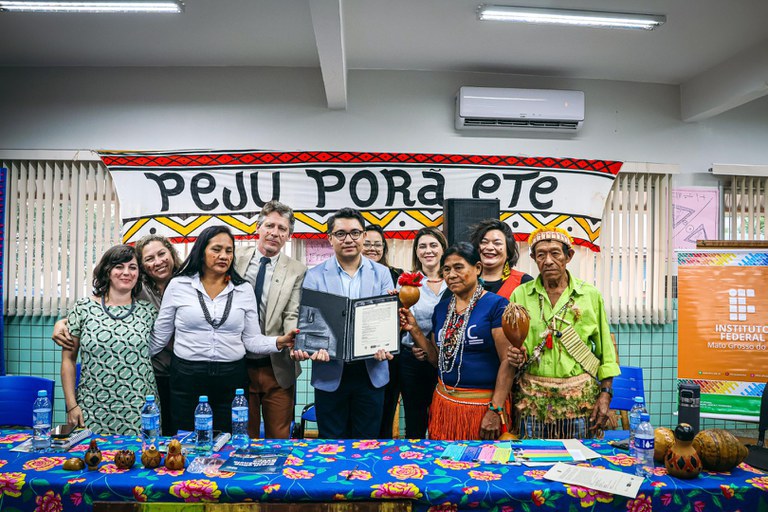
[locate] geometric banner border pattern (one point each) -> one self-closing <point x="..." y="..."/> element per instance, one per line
<point x="400" y="223"/>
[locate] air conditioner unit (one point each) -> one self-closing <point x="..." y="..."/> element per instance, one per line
<point x="543" y="110"/>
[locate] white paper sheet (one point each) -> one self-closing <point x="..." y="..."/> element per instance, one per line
<point x="605" y="480"/>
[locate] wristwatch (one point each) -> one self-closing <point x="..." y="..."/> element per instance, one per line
<point x="607" y="390"/>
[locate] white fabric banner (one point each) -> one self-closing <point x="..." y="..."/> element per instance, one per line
<point x="177" y="189"/>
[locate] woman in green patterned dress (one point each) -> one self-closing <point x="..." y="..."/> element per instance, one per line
<point x="111" y="332"/>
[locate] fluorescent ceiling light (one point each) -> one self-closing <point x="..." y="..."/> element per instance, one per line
<point x="569" y="17"/>
<point x="104" y="6"/>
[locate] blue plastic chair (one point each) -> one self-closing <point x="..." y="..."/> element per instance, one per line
<point x="17" y="396"/>
<point x="307" y="414"/>
<point x="626" y="387"/>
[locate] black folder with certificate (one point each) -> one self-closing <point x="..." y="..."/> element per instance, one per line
<point x="349" y="329"/>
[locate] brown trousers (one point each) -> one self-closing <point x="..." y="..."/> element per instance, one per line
<point x="265" y="395"/>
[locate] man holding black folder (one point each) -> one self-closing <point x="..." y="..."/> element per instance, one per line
<point x="349" y="397"/>
<point x="276" y="279"/>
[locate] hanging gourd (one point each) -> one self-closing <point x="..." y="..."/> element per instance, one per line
<point x="515" y="322"/>
<point x="409" y="293"/>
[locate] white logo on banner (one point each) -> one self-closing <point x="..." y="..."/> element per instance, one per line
<point x="737" y="303"/>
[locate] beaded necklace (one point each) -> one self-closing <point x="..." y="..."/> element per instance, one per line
<point x="452" y="346"/>
<point x="546" y="338"/>
<point x="552" y="326"/>
<point x="213" y="323"/>
<point x="118" y="317"/>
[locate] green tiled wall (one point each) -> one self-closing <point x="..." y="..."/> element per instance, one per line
<point x="30" y="351"/>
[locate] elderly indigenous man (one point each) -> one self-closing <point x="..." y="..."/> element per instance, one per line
<point x="276" y="280"/>
<point x="568" y="347"/>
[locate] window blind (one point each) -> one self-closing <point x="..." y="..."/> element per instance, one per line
<point x="746" y="202"/>
<point x="61" y="216"/>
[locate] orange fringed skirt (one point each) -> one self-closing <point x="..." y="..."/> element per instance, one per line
<point x="456" y="413"/>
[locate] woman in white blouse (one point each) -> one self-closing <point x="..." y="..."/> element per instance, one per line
<point x="212" y="312"/>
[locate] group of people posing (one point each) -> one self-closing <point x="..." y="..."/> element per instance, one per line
<point x="226" y="318"/>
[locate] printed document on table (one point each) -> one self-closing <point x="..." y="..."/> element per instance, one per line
<point x="605" y="480"/>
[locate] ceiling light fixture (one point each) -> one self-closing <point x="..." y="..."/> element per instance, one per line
<point x="104" y="6"/>
<point x="569" y="17"/>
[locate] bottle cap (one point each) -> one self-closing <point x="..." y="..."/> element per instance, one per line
<point x="150" y="398"/>
<point x="42" y="392"/>
<point x="239" y="391"/>
<point x="645" y="417"/>
<point x="203" y="398"/>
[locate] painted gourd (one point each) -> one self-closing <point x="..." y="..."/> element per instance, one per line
<point x="151" y="457"/>
<point x="174" y="459"/>
<point x="515" y="322"/>
<point x="719" y="449"/>
<point x="74" y="464"/>
<point x="124" y="459"/>
<point x="92" y="456"/>
<point x="663" y="438"/>
<point x="681" y="460"/>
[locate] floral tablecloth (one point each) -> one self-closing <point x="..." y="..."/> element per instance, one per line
<point x="322" y="470"/>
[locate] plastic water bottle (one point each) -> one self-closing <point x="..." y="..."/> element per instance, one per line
<point x="634" y="420"/>
<point x="150" y="423"/>
<point x="240" y="437"/>
<point x="203" y="427"/>
<point x="644" y="445"/>
<point x="41" y="422"/>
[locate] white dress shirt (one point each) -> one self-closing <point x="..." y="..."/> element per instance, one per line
<point x="195" y="339"/>
<point x="250" y="275"/>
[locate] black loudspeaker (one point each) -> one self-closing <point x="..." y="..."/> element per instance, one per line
<point x="459" y="215"/>
<point x="689" y="401"/>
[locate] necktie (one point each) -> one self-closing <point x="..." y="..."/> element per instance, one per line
<point x="258" y="288"/>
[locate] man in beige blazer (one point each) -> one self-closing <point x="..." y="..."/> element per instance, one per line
<point x="272" y="377"/>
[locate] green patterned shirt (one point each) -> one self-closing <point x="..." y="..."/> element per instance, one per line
<point x="116" y="372"/>
<point x="592" y="327"/>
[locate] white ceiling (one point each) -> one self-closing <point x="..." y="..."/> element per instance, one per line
<point x="715" y="50"/>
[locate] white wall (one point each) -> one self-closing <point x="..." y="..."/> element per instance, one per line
<point x="284" y="109"/>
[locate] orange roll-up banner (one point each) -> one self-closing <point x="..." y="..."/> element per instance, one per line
<point x="723" y="328"/>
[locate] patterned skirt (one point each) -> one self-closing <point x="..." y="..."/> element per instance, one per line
<point x="456" y="413"/>
<point x="555" y="408"/>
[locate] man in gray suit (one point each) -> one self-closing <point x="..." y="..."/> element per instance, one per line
<point x="277" y="280"/>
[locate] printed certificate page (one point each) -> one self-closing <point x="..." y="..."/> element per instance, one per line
<point x="376" y="326"/>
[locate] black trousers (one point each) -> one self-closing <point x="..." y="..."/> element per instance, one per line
<point x="164" y="398"/>
<point x="354" y="410"/>
<point x="417" y="384"/>
<point x="190" y="379"/>
<point x="391" y="397"/>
